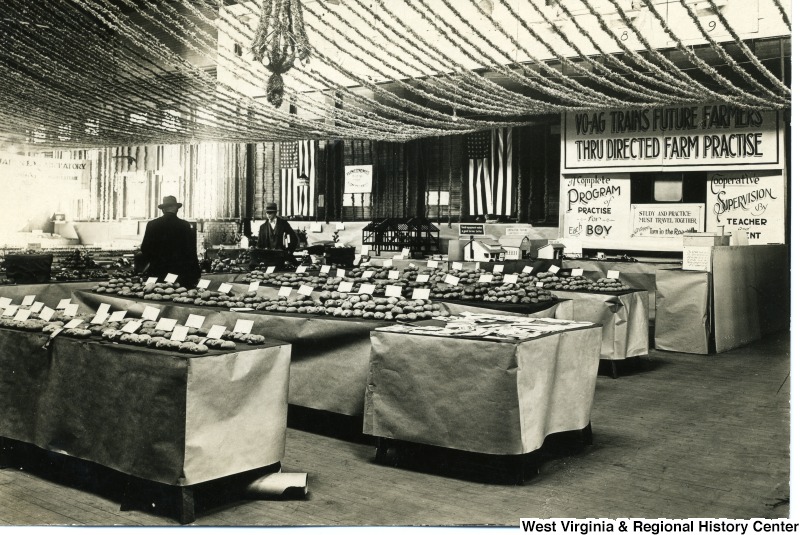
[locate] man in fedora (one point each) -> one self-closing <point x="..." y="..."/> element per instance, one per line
<point x="170" y="246"/>
<point x="276" y="233"/>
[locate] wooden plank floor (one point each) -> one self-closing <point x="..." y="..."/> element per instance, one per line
<point x="682" y="436"/>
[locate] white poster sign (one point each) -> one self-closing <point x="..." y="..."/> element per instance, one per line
<point x="750" y="201"/>
<point x="596" y="207"/>
<point x="357" y="179"/>
<point x="665" y="220"/>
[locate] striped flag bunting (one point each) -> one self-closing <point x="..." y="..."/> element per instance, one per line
<point x="298" y="158"/>
<point x="489" y="177"/>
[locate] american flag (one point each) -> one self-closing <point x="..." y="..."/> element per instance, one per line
<point x="490" y="172"/>
<point x="297" y="158"/>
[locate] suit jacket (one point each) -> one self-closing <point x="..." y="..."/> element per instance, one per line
<point x="269" y="239"/>
<point x="170" y="246"/>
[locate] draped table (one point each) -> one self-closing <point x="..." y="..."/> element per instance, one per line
<point x="168" y="417"/>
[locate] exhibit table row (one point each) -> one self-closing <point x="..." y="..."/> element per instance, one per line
<point x="161" y="416"/>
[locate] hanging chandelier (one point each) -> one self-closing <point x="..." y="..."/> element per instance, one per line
<point x="280" y="38"/>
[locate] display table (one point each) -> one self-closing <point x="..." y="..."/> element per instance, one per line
<point x="50" y="293"/>
<point x="557" y="308"/>
<point x="161" y="416"/>
<point x="623" y="317"/>
<point x="745" y="296"/>
<point x="480" y="396"/>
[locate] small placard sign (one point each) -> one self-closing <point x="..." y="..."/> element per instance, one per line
<point x="576" y="272"/>
<point x="452" y="280"/>
<point x="305" y="289"/>
<point x="368" y="289"/>
<point x="393" y="275"/>
<point x="554" y="269"/>
<point x="421" y="293"/>
<point x="368" y="274"/>
<point x="458" y="266"/>
<point x="498" y="268"/>
<point x="203" y="283"/>
<point x="170" y="278"/>
<point x="216" y="332"/>
<point x="225" y="288"/>
<point x="394" y="291"/>
<point x="150" y="313"/>
<point x="179" y="333"/>
<point x="36" y="306"/>
<point x="300" y="269"/>
<point x="46" y="313"/>
<point x="243" y="326"/>
<point x="345" y="286"/>
<point x="71" y="309"/>
<point x="166" y="324"/>
<point x="433" y="264"/>
<point x="253" y="286"/>
<point x="341" y="273"/>
<point x="99" y="318"/>
<point x="423" y="278"/>
<point x="71" y="324"/>
<point x="151" y="280"/>
<point x="22" y="314"/>
<point x="131" y="327"/>
<point x="485" y="278"/>
<point x="613" y="274"/>
<point x="28" y="300"/>
<point x="285" y="291"/>
<point x="325" y="269"/>
<point x="195" y="321"/>
<point x="60" y="306"/>
<point x="527" y="269"/>
<point x="270" y="269"/>
<point x="119" y="315"/>
<point x="510" y="278"/>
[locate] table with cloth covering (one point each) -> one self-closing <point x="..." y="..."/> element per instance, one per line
<point x="330" y="355"/>
<point x="481" y="396"/>
<point x="175" y="419"/>
<point x="623" y="316"/>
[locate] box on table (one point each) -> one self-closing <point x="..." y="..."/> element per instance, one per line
<point x="705" y="239"/>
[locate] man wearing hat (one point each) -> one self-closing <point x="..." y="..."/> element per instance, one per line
<point x="276" y="232"/>
<point x="170" y="246"/>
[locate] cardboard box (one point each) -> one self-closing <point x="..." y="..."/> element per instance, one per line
<point x="705" y="239"/>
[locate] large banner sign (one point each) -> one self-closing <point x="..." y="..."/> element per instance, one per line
<point x="688" y="138"/>
<point x="748" y="201"/>
<point x="597" y="207"/>
<point x="44" y="168"/>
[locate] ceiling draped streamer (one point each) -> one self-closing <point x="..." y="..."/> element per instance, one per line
<point x="95" y="73"/>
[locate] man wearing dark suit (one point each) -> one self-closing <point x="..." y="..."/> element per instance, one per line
<point x="276" y="231"/>
<point x="170" y="246"/>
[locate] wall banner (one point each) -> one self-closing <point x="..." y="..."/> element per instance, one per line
<point x="357" y="179"/>
<point x="687" y="138"/>
<point x="753" y="202"/>
<point x="666" y="220"/>
<point x="596" y="207"/>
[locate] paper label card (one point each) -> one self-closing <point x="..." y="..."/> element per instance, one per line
<point x="253" y="286"/>
<point x="423" y="278"/>
<point x="270" y="269"/>
<point x="368" y="274"/>
<point x="421" y="293"/>
<point x="452" y="280"/>
<point x="60" y="306"/>
<point x="387" y="263"/>
<point x="150" y="313"/>
<point x="368" y="289"/>
<point x="243" y="326"/>
<point x="36" y="306"/>
<point x="71" y="309"/>
<point x="179" y="333"/>
<point x="394" y="291"/>
<point x="433" y="264"/>
<point x="324" y="269"/>
<point x="393" y="275"/>
<point x="527" y="269"/>
<point x="300" y="269"/>
<point x="119" y="315"/>
<point x="340" y="226"/>
<point x="365" y="250"/>
<point x="613" y="274"/>
<point x="397" y="257"/>
<point x="103" y="308"/>
<point x="345" y="286"/>
<point x="203" y="283"/>
<point x="485" y="278"/>
<point x="46" y="313"/>
<point x="166" y="324"/>
<point x="554" y="269"/>
<point x="195" y="321"/>
<point x="576" y="272"/>
<point x="225" y="288"/>
<point x="285" y="291"/>
<point x="22" y="314"/>
<point x="216" y="332"/>
<point x="131" y="327"/>
<point x="458" y="266"/>
<point x="341" y="273"/>
<point x="151" y="280"/>
<point x="28" y="300"/>
<point x="357" y="260"/>
<point x="498" y="268"/>
<point x="5" y="301"/>
<point x="540" y="284"/>
<point x="73" y="323"/>
<point x="406" y="252"/>
<point x="10" y="310"/>
<point x="305" y="289"/>
<point x="99" y="318"/>
<point x="510" y="278"/>
<point x="170" y="278"/>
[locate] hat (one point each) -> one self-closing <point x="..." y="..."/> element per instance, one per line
<point x="271" y="207"/>
<point x="170" y="200"/>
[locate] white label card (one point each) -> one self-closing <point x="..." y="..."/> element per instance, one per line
<point x="243" y="326"/>
<point x="421" y="293"/>
<point x="73" y="323"/>
<point x="22" y="314"/>
<point x="423" y="278"/>
<point x="498" y="268"/>
<point x="46" y="313"/>
<point x="60" y="306"/>
<point x="341" y="273"/>
<point x="368" y="289"/>
<point x="325" y="269"/>
<point x="170" y="278"/>
<point x="36" y="306"/>
<point x="340" y="226"/>
<point x="458" y="266"/>
<point x="119" y="315"/>
<point x="151" y="280"/>
<point x="576" y="272"/>
<point x="387" y="263"/>
<point x="103" y="308"/>
<point x="300" y="269"/>
<point x="527" y="269"/>
<point x="365" y="250"/>
<point x="216" y="332"/>
<point x="357" y="260"/>
<point x="195" y="321"/>
<point x="285" y="291"/>
<point x="166" y="324"/>
<point x="305" y="289"/>
<point x="345" y="286"/>
<point x="179" y="333"/>
<point x="393" y="275"/>
<point x="554" y="269"/>
<point x="28" y="300"/>
<point x="433" y="264"/>
<point x="485" y="278"/>
<point x="203" y="283"/>
<point x="225" y="287"/>
<point x="99" y="318"/>
<point x="397" y="257"/>
<point x="406" y="252"/>
<point x="150" y="313"/>
<point x="253" y="286"/>
<point x="71" y="309"/>
<point x="613" y="274"/>
<point x="131" y="327"/>
<point x="452" y="280"/>
<point x="394" y="291"/>
<point x="540" y="285"/>
<point x="270" y="269"/>
<point x="510" y="278"/>
<point x="368" y="274"/>
<point x="5" y="301"/>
